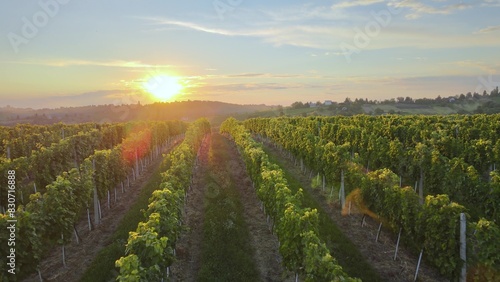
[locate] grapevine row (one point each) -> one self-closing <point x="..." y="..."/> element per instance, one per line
<point x="296" y="227"/>
<point x="49" y="218"/>
<point x="38" y="170"/>
<point x="463" y="149"/>
<point x="20" y="140"/>
<point x="150" y="249"/>
<point x="42" y="167"/>
<point x="430" y="223"/>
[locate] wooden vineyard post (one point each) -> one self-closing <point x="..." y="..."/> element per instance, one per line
<point x="363" y="220"/>
<point x="96" y="201"/>
<point x="76" y="235"/>
<point x="88" y="217"/>
<point x="378" y="231"/>
<point x="463" y="247"/>
<point x="63" y="251"/>
<point x="342" y="191"/>
<point x="418" y="264"/>
<point x="324" y="183"/>
<point x="136" y="165"/>
<point x="397" y="244"/>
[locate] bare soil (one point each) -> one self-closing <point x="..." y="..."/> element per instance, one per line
<point x="80" y="256"/>
<point x="188" y="246"/>
<point x="379" y="254"/>
<point x="264" y="243"/>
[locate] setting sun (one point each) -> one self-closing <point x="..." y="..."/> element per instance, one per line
<point x="163" y="87"/>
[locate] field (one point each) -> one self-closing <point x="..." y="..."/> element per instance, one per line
<point x="362" y="198"/>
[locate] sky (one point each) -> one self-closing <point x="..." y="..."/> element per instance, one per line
<point x="56" y="53"/>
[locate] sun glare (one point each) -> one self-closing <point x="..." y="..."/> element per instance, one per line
<point x="163" y="87"/>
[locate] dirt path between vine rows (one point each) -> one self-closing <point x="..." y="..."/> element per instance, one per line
<point x="264" y="243"/>
<point x="379" y="254"/>
<point x="80" y="256"/>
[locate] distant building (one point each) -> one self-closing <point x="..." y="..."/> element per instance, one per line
<point x="452" y="100"/>
<point x="328" y="102"/>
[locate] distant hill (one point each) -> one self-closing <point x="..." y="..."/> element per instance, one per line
<point x="470" y="103"/>
<point x="216" y="112"/>
<point x="185" y="110"/>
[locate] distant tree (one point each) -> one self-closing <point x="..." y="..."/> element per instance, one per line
<point x="494" y="92"/>
<point x="469" y="95"/>
<point x="347" y="100"/>
<point x="408" y="100"/>
<point x="280" y="110"/>
<point x="378" y="111"/>
<point x="461" y="97"/>
<point x="298" y="105"/>
<point x="318" y="103"/>
<point x="400" y="99"/>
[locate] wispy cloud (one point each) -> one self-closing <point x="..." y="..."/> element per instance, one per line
<point x="489" y="29"/>
<point x="305" y="12"/>
<point x="73" y="62"/>
<point x="348" y="4"/>
<point x="98" y="97"/>
<point x="418" y="8"/>
<point x="479" y="65"/>
<point x="188" y="25"/>
<point x="319" y="27"/>
<point x="243" y="87"/>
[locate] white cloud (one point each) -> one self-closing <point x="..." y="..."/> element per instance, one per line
<point x="489" y="29"/>
<point x="348" y="4"/>
<point x="320" y="27"/>
<point x="76" y="62"/>
<point x="418" y="8"/>
<point x="478" y="65"/>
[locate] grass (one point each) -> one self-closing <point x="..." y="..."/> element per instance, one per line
<point x="226" y="251"/>
<point x="102" y="267"/>
<point x="341" y="248"/>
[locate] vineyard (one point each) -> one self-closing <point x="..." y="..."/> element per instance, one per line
<point x="363" y="198"/>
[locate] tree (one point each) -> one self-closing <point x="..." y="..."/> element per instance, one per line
<point x="280" y="110"/>
<point x="297" y="105"/>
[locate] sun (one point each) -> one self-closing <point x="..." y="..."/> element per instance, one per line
<point x="163" y="87"/>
